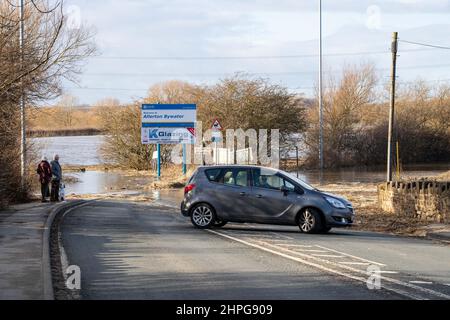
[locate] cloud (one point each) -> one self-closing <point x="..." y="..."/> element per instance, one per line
<point x="193" y="28"/>
<point x="373" y="17"/>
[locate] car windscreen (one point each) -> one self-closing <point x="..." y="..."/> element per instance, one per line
<point x="300" y="182"/>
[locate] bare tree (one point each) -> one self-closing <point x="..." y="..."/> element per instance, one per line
<point x="344" y="102"/>
<point x="52" y="51"/>
<point x="65" y="110"/>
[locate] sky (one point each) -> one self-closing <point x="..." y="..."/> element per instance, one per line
<point x="143" y="42"/>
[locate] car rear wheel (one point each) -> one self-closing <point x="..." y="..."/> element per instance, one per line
<point x="220" y="223"/>
<point x="203" y="216"/>
<point x="310" y="221"/>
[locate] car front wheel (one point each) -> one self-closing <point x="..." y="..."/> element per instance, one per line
<point x="203" y="216"/>
<point x="309" y="221"/>
<point x="325" y="229"/>
<point x="220" y="223"/>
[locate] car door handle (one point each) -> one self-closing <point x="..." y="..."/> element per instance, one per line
<point x="259" y="196"/>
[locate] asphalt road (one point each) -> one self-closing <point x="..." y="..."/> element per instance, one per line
<point x="147" y="251"/>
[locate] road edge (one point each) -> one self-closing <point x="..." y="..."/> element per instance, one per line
<point x="46" y="254"/>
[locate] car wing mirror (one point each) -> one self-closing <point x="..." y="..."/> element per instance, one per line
<point x="284" y="190"/>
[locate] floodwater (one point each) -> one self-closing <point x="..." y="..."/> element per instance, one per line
<point x="73" y="150"/>
<point x="370" y="174"/>
<point x="85" y="150"/>
<point x="96" y="182"/>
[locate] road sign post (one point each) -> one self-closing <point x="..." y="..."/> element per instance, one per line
<point x="216" y="137"/>
<point x="158" y="161"/>
<point x="184" y="159"/>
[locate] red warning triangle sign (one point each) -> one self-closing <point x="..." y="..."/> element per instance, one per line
<point x="192" y="131"/>
<point x="216" y="125"/>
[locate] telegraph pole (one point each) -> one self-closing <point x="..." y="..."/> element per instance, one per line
<point x="22" y="99"/>
<point x="394" y="47"/>
<point x="320" y="92"/>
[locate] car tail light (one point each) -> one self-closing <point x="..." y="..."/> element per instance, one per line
<point x="188" y="188"/>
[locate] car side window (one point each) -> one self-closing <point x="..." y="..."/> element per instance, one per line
<point x="212" y="174"/>
<point x="228" y="177"/>
<point x="267" y="180"/>
<point x="242" y="178"/>
<point x="234" y="177"/>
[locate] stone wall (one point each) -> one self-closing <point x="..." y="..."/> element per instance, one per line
<point x="425" y="200"/>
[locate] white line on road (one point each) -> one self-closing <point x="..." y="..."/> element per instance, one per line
<point x="421" y="282"/>
<point x="327" y="255"/>
<point x="294" y="245"/>
<point x="388" y="271"/>
<point x="341" y="273"/>
<point x="354" y="257"/>
<point x="355" y="263"/>
<point x="312" y="264"/>
<point x="336" y="251"/>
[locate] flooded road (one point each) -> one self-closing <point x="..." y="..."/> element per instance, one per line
<point x="85" y="151"/>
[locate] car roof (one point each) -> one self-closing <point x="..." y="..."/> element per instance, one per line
<point x="236" y="166"/>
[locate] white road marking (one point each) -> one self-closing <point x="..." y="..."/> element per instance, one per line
<point x="341" y="273"/>
<point x="327" y="255"/>
<point x="312" y="250"/>
<point x="312" y="264"/>
<point x="388" y="271"/>
<point x="421" y="282"/>
<point x="352" y="256"/>
<point x="336" y="251"/>
<point x="252" y="235"/>
<point x="282" y="235"/>
<point x="355" y="263"/>
<point x="294" y="245"/>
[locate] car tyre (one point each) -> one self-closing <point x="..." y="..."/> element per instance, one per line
<point x="220" y="223"/>
<point x="310" y="221"/>
<point x="326" y="229"/>
<point x="203" y="216"/>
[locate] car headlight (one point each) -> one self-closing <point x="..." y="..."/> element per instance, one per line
<point x="335" y="203"/>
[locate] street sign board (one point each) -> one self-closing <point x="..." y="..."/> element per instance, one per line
<point x="216" y="125"/>
<point x="168" y="123"/>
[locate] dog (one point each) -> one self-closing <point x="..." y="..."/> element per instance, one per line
<point x="62" y="192"/>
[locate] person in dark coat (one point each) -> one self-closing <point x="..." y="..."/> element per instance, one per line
<point x="45" y="175"/>
<point x="56" y="178"/>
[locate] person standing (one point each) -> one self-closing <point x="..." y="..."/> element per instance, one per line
<point x="45" y="175"/>
<point x="56" y="178"/>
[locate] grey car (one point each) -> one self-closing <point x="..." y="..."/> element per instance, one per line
<point x="216" y="195"/>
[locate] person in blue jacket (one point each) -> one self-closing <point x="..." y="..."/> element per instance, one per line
<point x="56" y="178"/>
